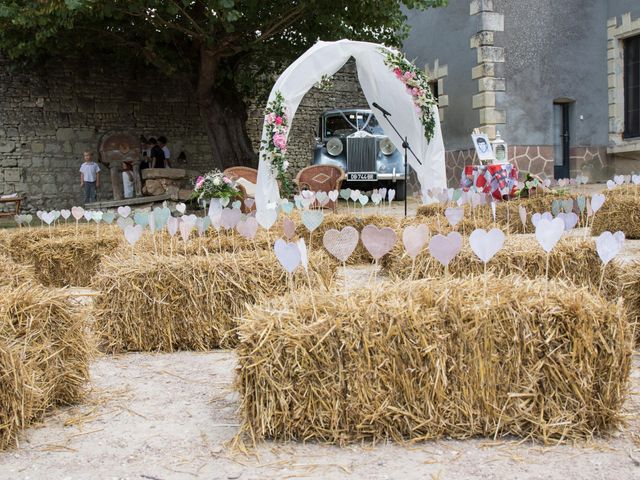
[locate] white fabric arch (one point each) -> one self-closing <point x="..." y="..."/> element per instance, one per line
<point x="379" y="84"/>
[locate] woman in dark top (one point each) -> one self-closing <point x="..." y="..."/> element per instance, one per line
<point x="157" y="155"/>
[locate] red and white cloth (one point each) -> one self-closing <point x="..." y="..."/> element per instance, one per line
<point x="499" y="180"/>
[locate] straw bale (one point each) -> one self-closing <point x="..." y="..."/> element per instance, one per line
<point x="573" y="259"/>
<point x="430" y="359"/>
<point x="630" y="277"/>
<point x="623" y="191"/>
<point x="152" y="303"/>
<point x="44" y="355"/>
<point x="618" y="213"/>
<point x="12" y="273"/>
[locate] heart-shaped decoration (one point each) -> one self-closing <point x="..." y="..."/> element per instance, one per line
<point x="132" y="233"/>
<point x="307" y="194"/>
<point x="249" y="202"/>
<point x="546" y="182"/>
<point x="48" y="217"/>
<point x="77" y="212"/>
<point x="39" y="214"/>
<point x="124" y="222"/>
<point x="108" y="217"/>
<point x="88" y="215"/>
<point x="333" y="195"/>
<point x="181" y="207"/>
<point x="555" y="207"/>
<point x="618" y="179"/>
<point x="224" y="201"/>
<point x="486" y="244"/>
<point x="611" y="184"/>
<point x="202" y="225"/>
<point x="445" y="248"/>
<point x="414" y="238"/>
<point x="523" y="215"/>
<point x="341" y="244"/>
<point x="230" y="218"/>
<point x="476" y="199"/>
<point x="172" y="226"/>
<point x="570" y="220"/>
<point x="567" y="205"/>
<point x="376" y="198"/>
<point x="97" y="216"/>
<point x="378" y="241"/>
<point x="65" y="214"/>
<point x="363" y="199"/>
<point x="124" y="212"/>
<point x="548" y="233"/>
<point x="185" y="229"/>
<point x="304" y="254"/>
<point x="355" y="195"/>
<point x="345" y="193"/>
<point x="248" y="227"/>
<point x="288" y="254"/>
<point x="535" y="219"/>
<point x="582" y="203"/>
<point x="289" y="228"/>
<point x="286" y="206"/>
<point x="190" y="219"/>
<point x="383" y="192"/>
<point x="322" y="198"/>
<point x="266" y="218"/>
<point x="306" y="202"/>
<point x="141" y="218"/>
<point x="28" y="218"/>
<point x="391" y="194"/>
<point x="236" y="205"/>
<point x="635" y="179"/>
<point x="608" y="246"/>
<point x="454" y="215"/>
<point x="597" y="201"/>
<point x="312" y="219"/>
<point x="457" y="195"/>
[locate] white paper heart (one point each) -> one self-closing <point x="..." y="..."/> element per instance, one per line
<point x="611" y="184"/>
<point x="96" y="216"/>
<point x="123" y="222"/>
<point x="597" y="201"/>
<point x="391" y="194"/>
<point x="288" y="254"/>
<point x="548" y="233"/>
<point x="304" y="254"/>
<point x="312" y="219"/>
<point x="124" y="212"/>
<point x="567" y="205"/>
<point x="48" y="217"/>
<point x="77" y="212"/>
<point x="414" y="238"/>
<point x="536" y="217"/>
<point x="376" y="198"/>
<point x="608" y="246"/>
<point x="248" y="227"/>
<point x="341" y="244"/>
<point x="378" y="241"/>
<point x="132" y="233"/>
<point x="39" y="214"/>
<point x="618" y="179"/>
<point x="249" y="202"/>
<point x="172" y="226"/>
<point x="65" y="214"/>
<point x="383" y="192"/>
<point x="289" y="228"/>
<point x="181" y="207"/>
<point x="523" y="215"/>
<point x="333" y="195"/>
<point x="454" y="215"/>
<point x="486" y="244"/>
<point x="635" y="179"/>
<point x="185" y="228"/>
<point x="230" y="218"/>
<point x="363" y="199"/>
<point x="307" y="194"/>
<point x="266" y="218"/>
<point x="236" y="205"/>
<point x="445" y="248"/>
<point x="88" y="215"/>
<point x="570" y="220"/>
<point x="355" y="195"/>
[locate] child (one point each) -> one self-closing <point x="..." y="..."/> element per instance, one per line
<point x="89" y="177"/>
<point x="127" y="179"/>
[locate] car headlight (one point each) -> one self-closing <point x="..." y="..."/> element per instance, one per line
<point x="334" y="146"/>
<point x="386" y="146"/>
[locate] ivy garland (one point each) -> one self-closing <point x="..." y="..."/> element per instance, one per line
<point x="417" y="84"/>
<point x="275" y="144"/>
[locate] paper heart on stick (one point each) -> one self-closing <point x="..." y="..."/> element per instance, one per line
<point x="355" y="195"/>
<point x="341" y="244"/>
<point x="289" y="228"/>
<point x="570" y="220"/>
<point x="333" y="195"/>
<point x="185" y="230"/>
<point x="124" y="212"/>
<point x="266" y="218"/>
<point x="39" y="214"/>
<point x="306" y="202"/>
<point x="608" y="246"/>
<point x="181" y="207"/>
<point x="445" y="248"/>
<point x="190" y="220"/>
<point x="322" y="198"/>
<point x="345" y="193"/>
<point x="378" y="241"/>
<point x="523" y="215"/>
<point x="48" y="217"/>
<point x="376" y="198"/>
<point x="635" y="179"/>
<point x="555" y="207"/>
<point x="486" y="244"/>
<point x="567" y="205"/>
<point x="141" y="218"/>
<point x="249" y="202"/>
<point x="172" y="226"/>
<point x="363" y="199"/>
<point x="597" y="201"/>
<point x="546" y="182"/>
<point x="248" y="227"/>
<point x="307" y="194"/>
<point x="124" y="222"/>
<point x="224" y="201"/>
<point x="230" y="218"/>
<point x="312" y="219"/>
<point x="391" y="194"/>
<point x="548" y="233"/>
<point x="454" y="215"/>
<point x="288" y="254"/>
<point x="582" y="203"/>
<point x="97" y="216"/>
<point x="65" y="214"/>
<point x="383" y="192"/>
<point x="286" y="206"/>
<point x="304" y="254"/>
<point x="236" y="205"/>
<point x="536" y="217"/>
<point x="132" y="233"/>
<point x="108" y="218"/>
<point x="88" y="215"/>
<point x="618" y="179"/>
<point x="611" y="184"/>
<point x="414" y="238"/>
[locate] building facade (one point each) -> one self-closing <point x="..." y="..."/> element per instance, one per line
<point x="560" y="81"/>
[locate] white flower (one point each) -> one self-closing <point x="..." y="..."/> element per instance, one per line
<point x="217" y="182"/>
<point x="285" y="165"/>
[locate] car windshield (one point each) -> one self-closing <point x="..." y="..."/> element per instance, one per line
<point x="343" y="124"/>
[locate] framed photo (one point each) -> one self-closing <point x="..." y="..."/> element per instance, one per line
<point x="483" y="147"/>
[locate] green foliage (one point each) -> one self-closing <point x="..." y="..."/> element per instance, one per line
<point x="249" y="40"/>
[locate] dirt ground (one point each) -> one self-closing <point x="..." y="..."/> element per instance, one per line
<point x="171" y="416"/>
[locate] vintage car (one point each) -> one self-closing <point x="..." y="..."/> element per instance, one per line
<point x="354" y="140"/>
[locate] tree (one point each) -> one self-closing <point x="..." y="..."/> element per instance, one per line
<point x="229" y="50"/>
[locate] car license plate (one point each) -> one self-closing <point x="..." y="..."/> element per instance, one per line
<point x="362" y="177"/>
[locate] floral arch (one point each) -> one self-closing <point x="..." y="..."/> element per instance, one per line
<point x="386" y="78"/>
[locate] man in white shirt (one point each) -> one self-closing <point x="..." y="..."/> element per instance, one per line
<point x="162" y="143"/>
<point x="89" y="178"/>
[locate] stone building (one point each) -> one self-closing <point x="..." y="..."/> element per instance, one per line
<point x="559" y="80"/>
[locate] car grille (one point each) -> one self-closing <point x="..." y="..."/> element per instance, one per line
<point x="361" y="154"/>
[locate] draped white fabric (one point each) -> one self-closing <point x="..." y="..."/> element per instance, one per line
<point x="379" y="85"/>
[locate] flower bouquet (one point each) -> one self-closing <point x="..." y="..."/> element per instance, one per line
<point x="215" y="185"/>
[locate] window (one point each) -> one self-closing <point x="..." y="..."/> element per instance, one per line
<point x="632" y="87"/>
<point x="433" y="85"/>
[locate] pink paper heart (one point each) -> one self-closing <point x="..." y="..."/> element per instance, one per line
<point x="249" y="202"/>
<point x="248" y="227"/>
<point x="445" y="248"/>
<point x="341" y="244"/>
<point x="230" y="218"/>
<point x="378" y="241"/>
<point x="454" y="215"/>
<point x="289" y="227"/>
<point x="414" y="238"/>
<point x="77" y="212"/>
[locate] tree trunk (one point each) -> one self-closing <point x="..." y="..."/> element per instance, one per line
<point x="224" y="115"/>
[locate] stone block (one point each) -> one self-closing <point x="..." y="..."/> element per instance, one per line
<point x="49" y="189"/>
<point x="106" y="107"/>
<point x="12" y="174"/>
<point x="37" y="147"/>
<point x="52" y="148"/>
<point x="492" y="116"/>
<point x="9" y="162"/>
<point x="7" y="147"/>
<point x="154" y="187"/>
<point x="65" y="134"/>
<point x="484" y="99"/>
<point x="481" y="39"/>
<point x="483" y="70"/>
<point x="184" y="194"/>
<point x="443" y="101"/>
<point x="490" y="54"/>
<point x="477" y="6"/>
<point x="175" y="173"/>
<point x="490" y="130"/>
<point x="490" y="21"/>
<point x="491" y="84"/>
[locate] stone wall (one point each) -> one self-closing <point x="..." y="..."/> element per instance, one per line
<point x="47" y="120"/>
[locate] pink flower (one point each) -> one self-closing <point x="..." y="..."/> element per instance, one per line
<point x="398" y="72"/>
<point x="416" y="92"/>
<point x="270" y="118"/>
<point x="199" y="182"/>
<point x="280" y="141"/>
<point x="226" y="180"/>
<point x="278" y="120"/>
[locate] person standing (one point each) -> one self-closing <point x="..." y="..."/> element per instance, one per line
<point x="162" y="143"/>
<point x="89" y="177"/>
<point x="157" y="155"/>
<point x="127" y="179"/>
